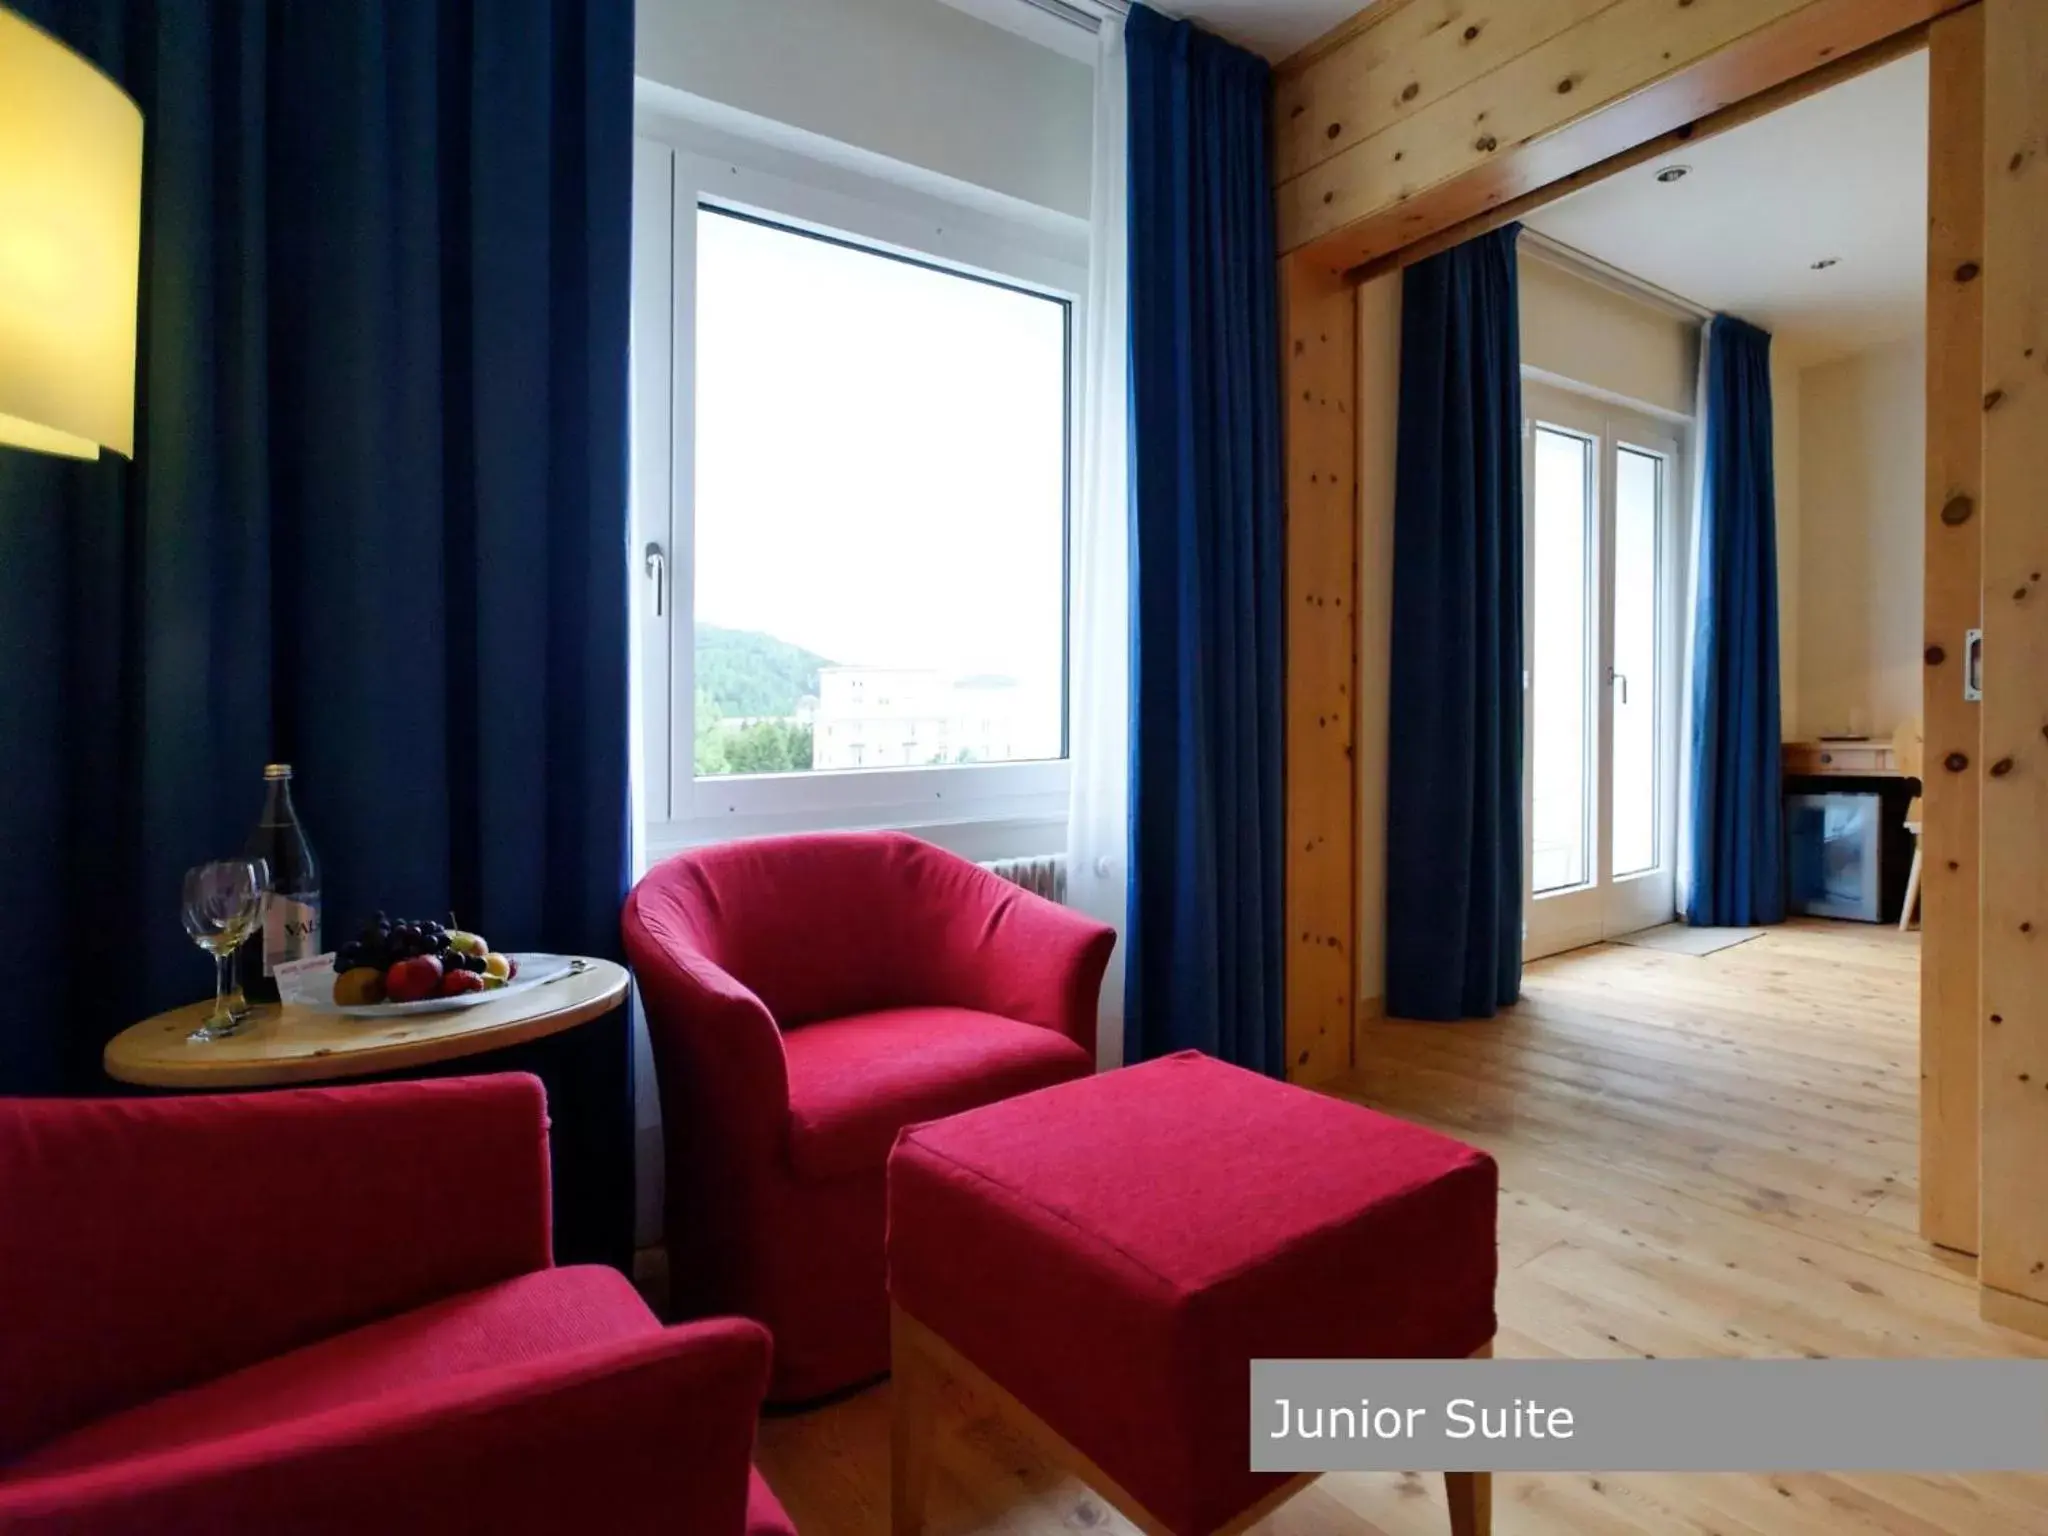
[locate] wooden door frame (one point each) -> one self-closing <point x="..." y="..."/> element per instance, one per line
<point x="1953" y="605"/>
<point x="1824" y="44"/>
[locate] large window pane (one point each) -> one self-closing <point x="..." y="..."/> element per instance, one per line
<point x="1638" y="498"/>
<point x="880" y="515"/>
<point x="1560" y="596"/>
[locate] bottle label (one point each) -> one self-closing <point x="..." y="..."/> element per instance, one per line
<point x="291" y="929"/>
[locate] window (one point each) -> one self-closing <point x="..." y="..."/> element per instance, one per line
<point x="851" y="480"/>
<point x="1638" y="521"/>
<point x="1602" y="598"/>
<point x="1561" y="594"/>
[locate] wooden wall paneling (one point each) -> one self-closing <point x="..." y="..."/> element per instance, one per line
<point x="1748" y="110"/>
<point x="1949" y="1016"/>
<point x="1403" y="64"/>
<point x="1319" y="373"/>
<point x="1374" y="13"/>
<point x="1620" y="76"/>
<point x="2014" y="1257"/>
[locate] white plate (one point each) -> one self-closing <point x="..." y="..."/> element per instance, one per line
<point x="309" y="983"/>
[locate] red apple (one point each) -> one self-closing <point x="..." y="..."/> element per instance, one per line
<point x="410" y="980"/>
<point x="455" y="983"/>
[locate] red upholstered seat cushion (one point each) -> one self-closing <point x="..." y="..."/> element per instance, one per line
<point x="1116" y="1251"/>
<point x="534" y="1316"/>
<point x="855" y="1082"/>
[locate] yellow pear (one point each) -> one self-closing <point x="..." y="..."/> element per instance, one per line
<point x="360" y="987"/>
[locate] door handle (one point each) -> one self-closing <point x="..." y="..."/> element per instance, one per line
<point x="1614" y="677"/>
<point x="656" y="566"/>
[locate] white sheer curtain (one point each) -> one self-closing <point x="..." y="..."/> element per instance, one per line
<point x="1098" y="827"/>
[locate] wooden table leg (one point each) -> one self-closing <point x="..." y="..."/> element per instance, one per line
<point x="914" y="1379"/>
<point x="1471" y="1504"/>
<point x="1471" y="1493"/>
<point x="1912" y="888"/>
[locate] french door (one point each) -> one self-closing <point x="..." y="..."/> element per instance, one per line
<point x="1605" y="529"/>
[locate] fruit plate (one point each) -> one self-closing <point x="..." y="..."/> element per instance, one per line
<point x="309" y="984"/>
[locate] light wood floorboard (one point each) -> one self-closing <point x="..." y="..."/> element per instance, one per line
<point x="1706" y="1155"/>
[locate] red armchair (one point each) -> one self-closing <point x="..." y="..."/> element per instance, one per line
<point x="333" y="1310"/>
<point x="807" y="998"/>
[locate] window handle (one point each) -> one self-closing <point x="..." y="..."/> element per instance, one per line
<point x="656" y="566"/>
<point x="1614" y="677"/>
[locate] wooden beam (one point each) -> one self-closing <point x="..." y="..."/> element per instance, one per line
<point x="1319" y="373"/>
<point x="1812" y="83"/>
<point x="1375" y="13"/>
<point x="1405" y="63"/>
<point x="1612" y="78"/>
<point x="1949" y="1016"/>
<point x="2014" y="811"/>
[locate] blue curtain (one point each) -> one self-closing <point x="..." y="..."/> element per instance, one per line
<point x="376" y="524"/>
<point x="1454" y="770"/>
<point x="1736" y="835"/>
<point x="1203" y="968"/>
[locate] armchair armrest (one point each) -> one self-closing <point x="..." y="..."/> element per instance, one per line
<point x="650" y="1434"/>
<point x="1009" y="952"/>
<point x="716" y="1043"/>
<point x="149" y="1243"/>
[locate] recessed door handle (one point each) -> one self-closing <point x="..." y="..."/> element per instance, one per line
<point x="656" y="566"/>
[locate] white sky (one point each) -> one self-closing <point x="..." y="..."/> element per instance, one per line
<point x="880" y="457"/>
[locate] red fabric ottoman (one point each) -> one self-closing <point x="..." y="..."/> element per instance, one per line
<point x="1114" y="1252"/>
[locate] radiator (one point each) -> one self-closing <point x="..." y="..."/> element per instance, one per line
<point x="1043" y="876"/>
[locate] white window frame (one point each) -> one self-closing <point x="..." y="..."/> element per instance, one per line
<point x="1606" y="905"/>
<point x="681" y="161"/>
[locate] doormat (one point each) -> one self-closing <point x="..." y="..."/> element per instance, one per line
<point x="1683" y="939"/>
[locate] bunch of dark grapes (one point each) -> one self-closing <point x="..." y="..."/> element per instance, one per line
<point x="382" y="943"/>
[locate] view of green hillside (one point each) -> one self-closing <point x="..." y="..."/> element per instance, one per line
<point x="749" y="675"/>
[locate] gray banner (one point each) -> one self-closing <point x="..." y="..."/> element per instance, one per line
<point x="1649" y="1415"/>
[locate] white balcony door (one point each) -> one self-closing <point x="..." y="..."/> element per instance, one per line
<point x="1605" y="532"/>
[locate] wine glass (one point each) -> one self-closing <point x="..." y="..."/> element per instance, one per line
<point x="237" y="996"/>
<point x="223" y="905"/>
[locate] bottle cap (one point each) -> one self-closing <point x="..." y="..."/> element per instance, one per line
<point x="277" y="770"/>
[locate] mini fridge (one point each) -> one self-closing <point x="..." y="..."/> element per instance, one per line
<point x="1834" y="843"/>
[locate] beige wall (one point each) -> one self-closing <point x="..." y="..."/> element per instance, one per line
<point x="915" y="80"/>
<point x="1862" y="451"/>
<point x="1379" y="382"/>
<point x="1785" y="464"/>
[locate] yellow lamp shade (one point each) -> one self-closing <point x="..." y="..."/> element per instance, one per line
<point x="70" y="249"/>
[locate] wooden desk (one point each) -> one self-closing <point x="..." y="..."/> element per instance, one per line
<point x="282" y="1045"/>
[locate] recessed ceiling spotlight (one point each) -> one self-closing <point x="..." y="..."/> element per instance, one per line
<point x="1825" y="262"/>
<point x="1674" y="173"/>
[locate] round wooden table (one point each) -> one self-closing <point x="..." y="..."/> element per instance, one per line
<point x="282" y="1044"/>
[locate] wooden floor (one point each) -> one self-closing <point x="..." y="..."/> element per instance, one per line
<point x="1699" y="1156"/>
